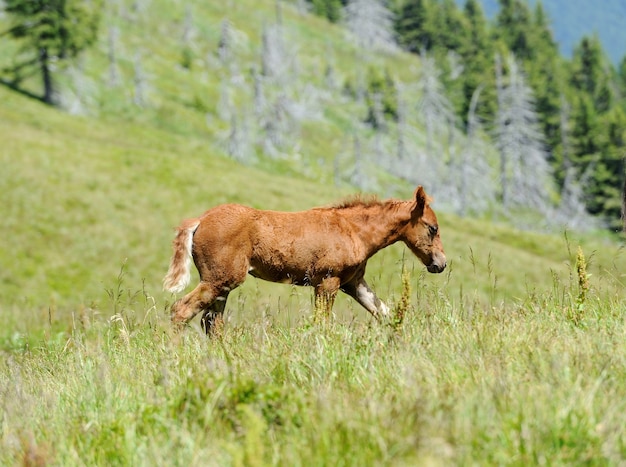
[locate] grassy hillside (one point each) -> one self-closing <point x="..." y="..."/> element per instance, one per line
<point x="89" y="193"/>
<point x="186" y="89"/>
<point x="85" y="197"/>
<point x="504" y="358"/>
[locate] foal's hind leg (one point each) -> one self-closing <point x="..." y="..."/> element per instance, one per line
<point x="212" y="317"/>
<point x="200" y="298"/>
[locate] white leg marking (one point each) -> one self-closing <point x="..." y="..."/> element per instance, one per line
<point x="366" y="296"/>
<point x="384" y="309"/>
<point x="370" y="301"/>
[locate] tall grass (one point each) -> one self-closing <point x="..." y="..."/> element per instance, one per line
<point x="514" y="355"/>
<point x="452" y="382"/>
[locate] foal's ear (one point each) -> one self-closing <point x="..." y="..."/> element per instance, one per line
<point x="420" y="202"/>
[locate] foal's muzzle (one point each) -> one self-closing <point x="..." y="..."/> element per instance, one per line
<point x="438" y="264"/>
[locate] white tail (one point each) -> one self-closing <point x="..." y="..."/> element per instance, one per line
<point x="178" y="276"/>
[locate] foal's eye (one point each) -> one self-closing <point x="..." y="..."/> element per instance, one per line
<point x="433" y="229"/>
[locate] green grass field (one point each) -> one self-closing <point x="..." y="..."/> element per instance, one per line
<point x="500" y="360"/>
<point x="515" y="355"/>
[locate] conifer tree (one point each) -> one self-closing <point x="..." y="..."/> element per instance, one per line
<point x="52" y="31"/>
<point x="571" y="210"/>
<point x="477" y="53"/>
<point x="514" y="26"/>
<point x="330" y="9"/>
<point x="435" y="108"/>
<point x="586" y="131"/>
<point x="545" y="76"/>
<point x="587" y="65"/>
<point x="413" y="24"/>
<point x="381" y="99"/>
<point x="474" y="184"/>
<point x="448" y="26"/>
<point x="114" y="75"/>
<point x="621" y="73"/>
<point x="608" y="177"/>
<point x="525" y="173"/>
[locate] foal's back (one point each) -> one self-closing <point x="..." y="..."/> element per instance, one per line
<point x="275" y="245"/>
<point x="276" y="227"/>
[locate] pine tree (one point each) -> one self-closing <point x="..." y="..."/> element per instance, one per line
<point x="586" y="132"/>
<point x="561" y="152"/>
<point x="413" y="24"/>
<point x="525" y="174"/>
<point x="224" y="47"/>
<point x="474" y="183"/>
<point x="435" y="108"/>
<point x="598" y="122"/>
<point x="381" y="99"/>
<point x="514" y="26"/>
<point x="330" y="9"/>
<point x="114" y="75"/>
<point x="587" y="65"/>
<point x="477" y="54"/>
<point x="448" y="26"/>
<point x="139" y="80"/>
<point x="546" y="78"/>
<point x="571" y="211"/>
<point x="187" y="39"/>
<point x="608" y="177"/>
<point x="53" y="31"/>
<point x="621" y="73"/>
<point x="593" y="74"/>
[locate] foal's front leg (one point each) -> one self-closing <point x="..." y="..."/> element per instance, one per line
<point x="360" y="291"/>
<point x="325" y="293"/>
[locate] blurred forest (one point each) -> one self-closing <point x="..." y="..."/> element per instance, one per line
<point x="555" y="120"/>
<point x="571" y="19"/>
<point x="495" y="120"/>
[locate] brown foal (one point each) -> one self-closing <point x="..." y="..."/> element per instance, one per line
<point x="326" y="248"/>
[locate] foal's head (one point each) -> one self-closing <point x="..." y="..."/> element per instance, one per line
<point x="421" y="233"/>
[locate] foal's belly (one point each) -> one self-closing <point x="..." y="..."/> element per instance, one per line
<point x="282" y="277"/>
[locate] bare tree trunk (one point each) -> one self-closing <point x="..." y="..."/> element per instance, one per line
<point x="279" y="13"/>
<point x="503" y="167"/>
<point x="187" y="25"/>
<point x="624" y="204"/>
<point x="114" y="76"/>
<point x="302" y="7"/>
<point x="564" y="115"/>
<point x="139" y="80"/>
<point x="48" y="86"/>
<point x="472" y="123"/>
<point x="358" y="176"/>
<point x="224" y="46"/>
<point x="259" y="95"/>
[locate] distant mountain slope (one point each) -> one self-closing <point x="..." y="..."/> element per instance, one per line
<point x="572" y="19"/>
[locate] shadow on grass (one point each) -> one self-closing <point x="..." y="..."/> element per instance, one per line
<point x="15" y="87"/>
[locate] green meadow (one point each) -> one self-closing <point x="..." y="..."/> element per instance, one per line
<point x="515" y="355"/>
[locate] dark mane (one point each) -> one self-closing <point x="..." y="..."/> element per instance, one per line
<point x="357" y="200"/>
<point x="362" y="200"/>
<point x="366" y="201"/>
